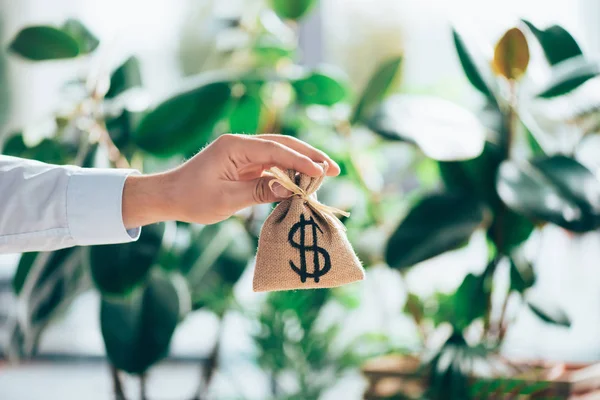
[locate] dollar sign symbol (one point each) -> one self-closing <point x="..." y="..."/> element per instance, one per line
<point x="303" y="248"/>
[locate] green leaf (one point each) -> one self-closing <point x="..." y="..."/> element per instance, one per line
<point x="438" y="223"/>
<point x="118" y="268"/>
<point x="323" y="87"/>
<point x="85" y="39"/>
<point x="48" y="150"/>
<point x="270" y="49"/>
<point x="550" y="313"/>
<point x="292" y="9"/>
<point x="245" y="116"/>
<point x="514" y="229"/>
<point x="565" y="83"/>
<point x="469" y="66"/>
<point x="443" y="130"/>
<point x="126" y="76"/>
<point x="450" y="369"/>
<point x="39" y="43"/>
<point x="522" y="275"/>
<point x="137" y="330"/>
<point x="46" y="284"/>
<point x="556" y="189"/>
<point x="185" y="122"/>
<point x="470" y="300"/>
<point x="214" y="263"/>
<point x="557" y="44"/>
<point x="376" y="89"/>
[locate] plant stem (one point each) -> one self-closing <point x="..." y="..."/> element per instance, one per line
<point x="117" y="386"/>
<point x="114" y="154"/>
<point x="143" y="387"/>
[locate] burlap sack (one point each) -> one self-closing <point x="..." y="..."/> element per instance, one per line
<point x="302" y="245"/>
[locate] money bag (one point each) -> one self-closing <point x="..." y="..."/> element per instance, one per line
<point x="302" y="244"/>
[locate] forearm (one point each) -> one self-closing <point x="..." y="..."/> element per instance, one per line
<point x="147" y="199"/>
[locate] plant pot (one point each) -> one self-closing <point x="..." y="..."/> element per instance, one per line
<point x="399" y="376"/>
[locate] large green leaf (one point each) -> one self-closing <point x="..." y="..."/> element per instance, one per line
<point x="185" y="122"/>
<point x="118" y="268"/>
<point x="556" y="189"/>
<point x="557" y="44"/>
<point x="48" y="150"/>
<point x="85" y="39"/>
<point x="214" y="263"/>
<point x="321" y="86"/>
<point x="450" y="369"/>
<point x="245" y="115"/>
<point x="549" y="312"/>
<point x="376" y="89"/>
<point x="470" y="300"/>
<point x="443" y="130"/>
<point x="126" y="76"/>
<point x="137" y="330"/>
<point x="568" y="79"/>
<point x="46" y="283"/>
<point x="438" y="223"/>
<point x="39" y="43"/>
<point x="522" y="275"/>
<point x="469" y="65"/>
<point x="292" y="9"/>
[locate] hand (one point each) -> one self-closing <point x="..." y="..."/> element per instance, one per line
<point x="222" y="179"/>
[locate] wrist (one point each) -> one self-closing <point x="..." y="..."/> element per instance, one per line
<point x="145" y="200"/>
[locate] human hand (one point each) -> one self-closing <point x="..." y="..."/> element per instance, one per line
<point x="222" y="179"/>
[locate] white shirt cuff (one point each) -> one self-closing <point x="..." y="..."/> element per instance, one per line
<point x="94" y="207"/>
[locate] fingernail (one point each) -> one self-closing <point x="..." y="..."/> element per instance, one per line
<point x="280" y="191"/>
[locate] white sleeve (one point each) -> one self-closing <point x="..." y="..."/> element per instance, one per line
<point x="47" y="207"/>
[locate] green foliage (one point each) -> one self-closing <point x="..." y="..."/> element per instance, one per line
<point x="292" y="9"/>
<point x="567" y="83"/>
<point x="321" y="86"/>
<point x="246" y="113"/>
<point x="214" y="262"/>
<point x="449" y="370"/>
<point x="86" y="41"/>
<point x="470" y="67"/>
<point x="550" y="313"/>
<point x="137" y="329"/>
<point x="522" y="275"/>
<point x="185" y="122"/>
<point x="556" y="189"/>
<point x="48" y="150"/>
<point x="558" y="44"/>
<point x="40" y="43"/>
<point x="470" y="300"/>
<point x="118" y="268"/>
<point x="378" y="86"/>
<point x="438" y="223"/>
<point x="46" y="284"/>
<point x="126" y="76"/>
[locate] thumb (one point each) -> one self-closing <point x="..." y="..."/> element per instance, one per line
<point x="258" y="191"/>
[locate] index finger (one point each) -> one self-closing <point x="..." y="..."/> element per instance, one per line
<point x="304" y="148"/>
<point x="268" y="153"/>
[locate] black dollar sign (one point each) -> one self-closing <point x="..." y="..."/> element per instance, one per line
<point x="303" y="248"/>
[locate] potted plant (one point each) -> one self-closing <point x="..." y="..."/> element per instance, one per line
<point x="524" y="177"/>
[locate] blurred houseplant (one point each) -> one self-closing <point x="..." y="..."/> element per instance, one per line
<point x="149" y="286"/>
<point x="525" y="177"/>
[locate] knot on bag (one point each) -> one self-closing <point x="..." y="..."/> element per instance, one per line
<point x="305" y="190"/>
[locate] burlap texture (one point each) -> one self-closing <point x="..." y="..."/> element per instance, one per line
<point x="287" y="247"/>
